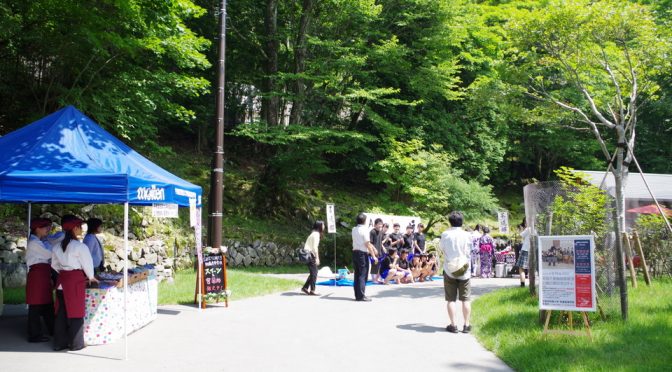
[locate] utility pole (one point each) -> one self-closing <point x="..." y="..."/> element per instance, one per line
<point x="217" y="175"/>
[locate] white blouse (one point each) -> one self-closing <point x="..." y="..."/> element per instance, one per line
<point x="75" y="257"/>
<point x="312" y="243"/>
<point x="37" y="252"/>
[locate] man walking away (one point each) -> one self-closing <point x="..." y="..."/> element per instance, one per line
<point x="361" y="249"/>
<point x="456" y="245"/>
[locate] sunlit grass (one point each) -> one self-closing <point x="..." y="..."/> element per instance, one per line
<point x="507" y="322"/>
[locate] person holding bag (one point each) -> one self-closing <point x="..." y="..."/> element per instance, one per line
<point x="311" y="245"/>
<point x="456" y="245"/>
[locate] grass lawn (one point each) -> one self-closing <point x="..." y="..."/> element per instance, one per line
<point x="243" y="284"/>
<point x="506" y="322"/>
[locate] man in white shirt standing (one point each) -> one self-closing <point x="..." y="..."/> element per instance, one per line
<point x="456" y="246"/>
<point x="361" y="249"/>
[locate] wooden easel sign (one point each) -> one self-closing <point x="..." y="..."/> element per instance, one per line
<point x="567" y="277"/>
<point x="213" y="280"/>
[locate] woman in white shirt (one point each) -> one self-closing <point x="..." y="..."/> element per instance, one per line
<point x="72" y="260"/>
<point x="311" y="245"/>
<point x="39" y="286"/>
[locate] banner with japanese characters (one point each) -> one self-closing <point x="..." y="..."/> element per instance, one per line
<point x="567" y="273"/>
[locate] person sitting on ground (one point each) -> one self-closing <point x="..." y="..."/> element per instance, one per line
<point x="389" y="269"/>
<point x="405" y="267"/>
<point x="429" y="267"/>
<point x="416" y="268"/>
<point x="419" y="243"/>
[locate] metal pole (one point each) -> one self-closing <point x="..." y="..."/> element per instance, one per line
<point x="335" y="268"/>
<point x="126" y="281"/>
<point x="217" y="177"/>
<point x="30" y="212"/>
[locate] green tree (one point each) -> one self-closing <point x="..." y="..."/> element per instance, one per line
<point x="423" y="178"/>
<point x="597" y="60"/>
<point x="130" y="64"/>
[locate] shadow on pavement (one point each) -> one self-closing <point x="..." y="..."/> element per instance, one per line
<point x="475" y="367"/>
<point x="402" y="290"/>
<point x="329" y="297"/>
<point x="422" y="328"/>
<point x="168" y="312"/>
<point x="292" y="294"/>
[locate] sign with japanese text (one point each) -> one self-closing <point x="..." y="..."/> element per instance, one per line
<point x="213" y="273"/>
<point x="503" y="219"/>
<point x="567" y="273"/>
<point x="165" y="210"/>
<point x="331" y="219"/>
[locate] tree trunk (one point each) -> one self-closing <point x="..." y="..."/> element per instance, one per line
<point x="269" y="101"/>
<point x="619" y="183"/>
<point x="300" y="62"/>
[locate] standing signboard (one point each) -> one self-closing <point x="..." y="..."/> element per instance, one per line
<point x="503" y="219"/>
<point x="331" y="219"/>
<point x="213" y="280"/>
<point x="567" y="273"/>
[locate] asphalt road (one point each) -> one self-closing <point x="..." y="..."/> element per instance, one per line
<point x="402" y="329"/>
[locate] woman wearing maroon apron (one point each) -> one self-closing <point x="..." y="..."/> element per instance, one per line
<point x="72" y="260"/>
<point x="39" y="286"/>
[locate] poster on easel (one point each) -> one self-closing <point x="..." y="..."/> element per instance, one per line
<point x="567" y="273"/>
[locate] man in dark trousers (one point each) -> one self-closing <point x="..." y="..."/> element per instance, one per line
<point x="361" y="249"/>
<point x="376" y="238"/>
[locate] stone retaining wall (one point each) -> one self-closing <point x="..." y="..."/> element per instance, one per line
<point x="259" y="253"/>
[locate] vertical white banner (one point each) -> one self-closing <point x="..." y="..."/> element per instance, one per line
<point x="331" y="219"/>
<point x="198" y="229"/>
<point x="192" y="212"/>
<point x="503" y="219"/>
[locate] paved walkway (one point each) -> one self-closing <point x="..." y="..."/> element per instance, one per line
<point x="402" y="326"/>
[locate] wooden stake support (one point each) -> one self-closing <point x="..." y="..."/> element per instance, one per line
<point x="628" y="256"/>
<point x="638" y="244"/>
<point x="570" y="332"/>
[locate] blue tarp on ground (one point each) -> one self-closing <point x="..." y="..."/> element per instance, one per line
<point x="67" y="158"/>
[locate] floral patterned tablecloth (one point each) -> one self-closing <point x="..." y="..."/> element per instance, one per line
<point x="104" y="320"/>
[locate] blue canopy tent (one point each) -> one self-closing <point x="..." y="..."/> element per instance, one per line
<point x="66" y="157"/>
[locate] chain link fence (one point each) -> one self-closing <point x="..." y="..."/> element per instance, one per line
<point x="553" y="208"/>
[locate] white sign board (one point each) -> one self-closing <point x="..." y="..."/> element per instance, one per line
<point x="331" y="219"/>
<point x="403" y="221"/>
<point x="503" y="219"/>
<point x="198" y="232"/>
<point x="567" y="273"/>
<point x="165" y="210"/>
<point x="192" y="212"/>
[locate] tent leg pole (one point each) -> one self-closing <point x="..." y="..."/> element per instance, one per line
<point x="30" y="212"/>
<point x="125" y="281"/>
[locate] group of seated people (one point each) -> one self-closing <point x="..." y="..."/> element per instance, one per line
<point x="398" y="267"/>
<point x="402" y="257"/>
